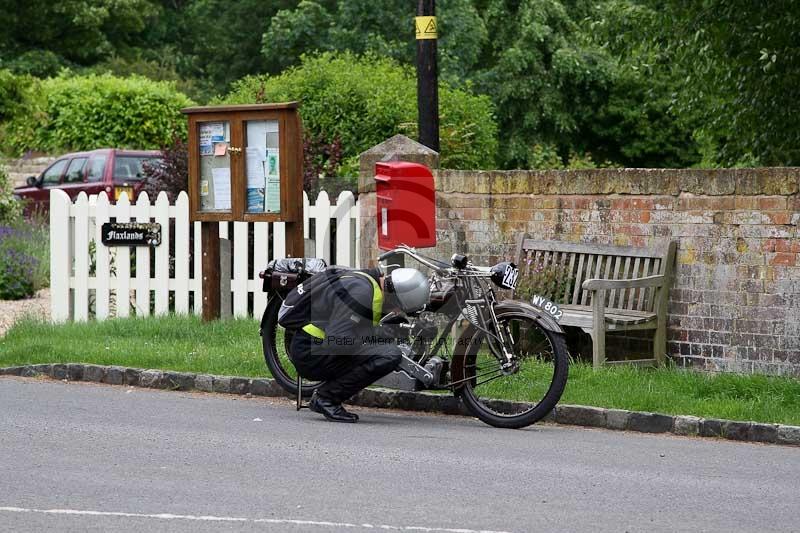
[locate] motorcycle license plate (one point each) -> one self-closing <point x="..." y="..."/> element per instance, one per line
<point x="547" y="306"/>
<point x="510" y="277"/>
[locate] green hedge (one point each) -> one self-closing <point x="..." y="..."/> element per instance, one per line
<point x="364" y="100"/>
<point x="86" y="112"/>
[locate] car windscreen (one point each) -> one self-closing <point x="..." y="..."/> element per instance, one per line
<point x="130" y="168"/>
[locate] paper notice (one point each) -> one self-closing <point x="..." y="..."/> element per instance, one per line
<point x="222" y="188"/>
<point x="217" y="131"/>
<point x="255" y="167"/>
<point x="220" y="148"/>
<point x="384" y="222"/>
<point x="273" y="164"/>
<point x="204" y="188"/>
<point x="273" y="195"/>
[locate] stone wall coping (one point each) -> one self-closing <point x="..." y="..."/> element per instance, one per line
<point x="780" y="181"/>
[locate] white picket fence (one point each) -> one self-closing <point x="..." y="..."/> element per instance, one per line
<point x="90" y="280"/>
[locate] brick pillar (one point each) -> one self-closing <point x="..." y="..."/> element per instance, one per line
<point x="398" y="148"/>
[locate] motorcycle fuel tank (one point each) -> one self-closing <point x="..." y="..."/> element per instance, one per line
<point x="406" y="205"/>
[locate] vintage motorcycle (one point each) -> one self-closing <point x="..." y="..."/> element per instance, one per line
<point x="464" y="340"/>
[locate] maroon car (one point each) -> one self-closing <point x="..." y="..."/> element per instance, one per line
<point x="110" y="170"/>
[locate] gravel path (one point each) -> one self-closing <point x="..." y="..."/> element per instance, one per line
<point x="13" y="310"/>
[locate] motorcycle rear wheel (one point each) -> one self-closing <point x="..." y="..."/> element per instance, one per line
<point x="276" y="341"/>
<point x="525" y="395"/>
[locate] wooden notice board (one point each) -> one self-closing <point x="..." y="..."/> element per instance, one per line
<point x="245" y="165"/>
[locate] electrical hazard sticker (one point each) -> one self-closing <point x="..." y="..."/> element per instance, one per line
<point x="426" y="27"/>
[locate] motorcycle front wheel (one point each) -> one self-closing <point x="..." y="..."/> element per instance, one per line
<point x="528" y="391"/>
<point x="276" y="341"/>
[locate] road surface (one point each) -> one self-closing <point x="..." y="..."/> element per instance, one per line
<point x="87" y="457"/>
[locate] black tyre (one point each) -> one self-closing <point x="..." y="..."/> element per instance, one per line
<point x="276" y="341"/>
<point x="522" y="395"/>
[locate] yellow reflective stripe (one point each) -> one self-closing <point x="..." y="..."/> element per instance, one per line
<point x="314" y="331"/>
<point x="377" y="298"/>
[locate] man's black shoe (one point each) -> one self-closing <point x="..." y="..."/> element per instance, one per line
<point x="332" y="411"/>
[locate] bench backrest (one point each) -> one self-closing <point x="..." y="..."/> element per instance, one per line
<point x="577" y="262"/>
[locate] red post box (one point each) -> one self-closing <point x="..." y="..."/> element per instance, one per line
<point x="406" y="205"/>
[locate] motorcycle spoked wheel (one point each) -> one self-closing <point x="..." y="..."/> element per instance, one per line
<point x="533" y="387"/>
<point x="276" y="341"/>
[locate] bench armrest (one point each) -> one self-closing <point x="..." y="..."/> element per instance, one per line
<point x="610" y="284"/>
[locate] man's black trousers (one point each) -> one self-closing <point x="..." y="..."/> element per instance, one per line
<point x="344" y="375"/>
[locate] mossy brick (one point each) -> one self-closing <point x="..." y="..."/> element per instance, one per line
<point x="650" y="422"/>
<point x="240" y="385"/>
<point x="115" y="375"/>
<point x="59" y="371"/>
<point x="132" y="376"/>
<point x="581" y="416"/>
<point x="74" y="372"/>
<point x="789" y="435"/>
<point x="222" y="384"/>
<point x="150" y="379"/>
<point x="686" y="425"/>
<point x="204" y="382"/>
<point x="763" y="432"/>
<point x="94" y="373"/>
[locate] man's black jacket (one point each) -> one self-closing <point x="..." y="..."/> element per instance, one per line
<point x="343" y="312"/>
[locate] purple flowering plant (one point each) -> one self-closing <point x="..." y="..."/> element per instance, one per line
<point x="543" y="278"/>
<point x="24" y="259"/>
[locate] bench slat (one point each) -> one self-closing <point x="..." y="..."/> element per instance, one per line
<point x="576" y="291"/>
<point x="612" y="295"/>
<point x="623" y="292"/>
<point x="632" y="292"/>
<point x="602" y="249"/>
<point x="642" y="291"/>
<point x="587" y="274"/>
<point x="609" y="260"/>
<point x="570" y="278"/>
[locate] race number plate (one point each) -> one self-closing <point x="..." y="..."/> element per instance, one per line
<point x="547" y="306"/>
<point x="510" y="277"/>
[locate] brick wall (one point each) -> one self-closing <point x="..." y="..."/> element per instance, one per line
<point x="736" y="300"/>
<point x="19" y="169"/>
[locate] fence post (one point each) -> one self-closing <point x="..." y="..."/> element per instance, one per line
<point x="162" y="255"/>
<point x="60" y="256"/>
<point x="344" y="204"/>
<point x="81" y="211"/>
<point x="181" y="253"/>
<point x="322" y="234"/>
<point x="102" y="271"/>
<point x="240" y="254"/>
<point x="123" y="261"/>
<point x="260" y="258"/>
<point x="143" y="260"/>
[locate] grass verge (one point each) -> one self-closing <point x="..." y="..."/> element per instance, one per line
<point x="234" y="348"/>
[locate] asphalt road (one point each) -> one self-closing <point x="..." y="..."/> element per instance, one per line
<point x="83" y="457"/>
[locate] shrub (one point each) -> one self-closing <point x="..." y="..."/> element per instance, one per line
<point x="10" y="207"/>
<point x="549" y="280"/>
<point x="18" y="268"/>
<point x="360" y="101"/>
<point x="70" y="113"/>
<point x="171" y="174"/>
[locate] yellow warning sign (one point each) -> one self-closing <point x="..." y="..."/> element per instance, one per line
<point x="426" y="27"/>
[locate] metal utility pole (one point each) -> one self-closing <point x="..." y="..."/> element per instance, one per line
<point x="427" y="74"/>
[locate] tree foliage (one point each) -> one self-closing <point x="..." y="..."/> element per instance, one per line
<point x="738" y="63"/>
<point x="83" y="113"/>
<point x="360" y="101"/>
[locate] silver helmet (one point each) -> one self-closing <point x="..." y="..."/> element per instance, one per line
<point x="408" y="288"/>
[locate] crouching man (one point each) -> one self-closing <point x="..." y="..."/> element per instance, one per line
<point x="334" y="317"/>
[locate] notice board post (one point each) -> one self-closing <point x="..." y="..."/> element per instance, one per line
<point x="245" y="165"/>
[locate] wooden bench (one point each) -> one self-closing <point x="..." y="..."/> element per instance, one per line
<point x="609" y="289"/>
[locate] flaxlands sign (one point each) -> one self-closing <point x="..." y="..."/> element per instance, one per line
<point x="131" y="234"/>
